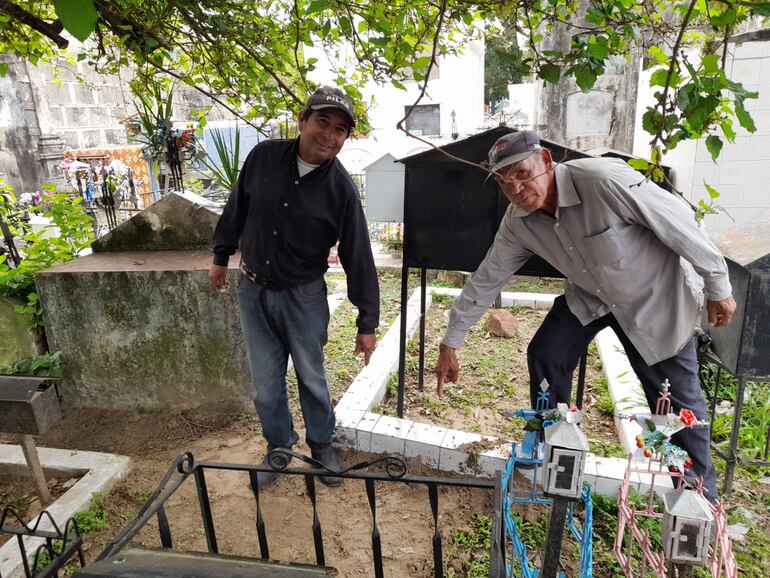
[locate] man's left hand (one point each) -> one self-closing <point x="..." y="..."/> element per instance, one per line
<point x="365" y="343"/>
<point x="720" y="312"/>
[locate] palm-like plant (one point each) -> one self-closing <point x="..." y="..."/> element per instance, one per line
<point x="225" y="163"/>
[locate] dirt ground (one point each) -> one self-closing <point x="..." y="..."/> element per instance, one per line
<point x="493" y="382"/>
<point x="153" y="441"/>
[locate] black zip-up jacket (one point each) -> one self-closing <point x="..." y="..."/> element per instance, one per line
<point x="286" y="225"/>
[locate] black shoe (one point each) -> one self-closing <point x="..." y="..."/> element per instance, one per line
<point x="267" y="479"/>
<point x="328" y="458"/>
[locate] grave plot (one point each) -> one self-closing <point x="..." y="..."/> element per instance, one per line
<point x="493" y="383"/>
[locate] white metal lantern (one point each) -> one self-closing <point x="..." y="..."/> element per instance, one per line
<point x="687" y="521"/>
<point x="564" y="461"/>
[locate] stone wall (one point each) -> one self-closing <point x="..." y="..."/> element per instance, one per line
<point x="19" y="130"/>
<point x="47" y="109"/>
<point x="602" y="117"/>
<point x="141" y="329"/>
<point x="16" y="341"/>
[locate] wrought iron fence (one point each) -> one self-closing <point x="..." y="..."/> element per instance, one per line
<point x="395" y="471"/>
<point x="58" y="546"/>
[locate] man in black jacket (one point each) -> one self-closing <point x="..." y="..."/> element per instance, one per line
<point x="294" y="200"/>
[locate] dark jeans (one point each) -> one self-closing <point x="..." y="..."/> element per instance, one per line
<point x="277" y="324"/>
<point x="555" y="351"/>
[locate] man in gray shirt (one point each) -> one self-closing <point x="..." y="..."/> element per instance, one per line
<point x="634" y="260"/>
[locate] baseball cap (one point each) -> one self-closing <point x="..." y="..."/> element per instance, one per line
<point x="512" y="148"/>
<point x="331" y="97"/>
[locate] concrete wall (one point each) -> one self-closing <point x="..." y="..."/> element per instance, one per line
<point x="19" y="130"/>
<point x="16" y="341"/>
<point x="142" y="330"/>
<point x="602" y="117"/>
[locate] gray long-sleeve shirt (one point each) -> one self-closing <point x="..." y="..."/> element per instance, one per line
<point x="626" y="247"/>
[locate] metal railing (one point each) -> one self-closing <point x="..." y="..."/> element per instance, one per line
<point x="395" y="471"/>
<point x="57" y="548"/>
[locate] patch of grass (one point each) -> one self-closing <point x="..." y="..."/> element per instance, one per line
<point x="473" y="545"/>
<point x="445" y="301"/>
<point x="603" y="399"/>
<point x="755" y="419"/>
<point x="94" y="518"/>
<point x="608" y="448"/>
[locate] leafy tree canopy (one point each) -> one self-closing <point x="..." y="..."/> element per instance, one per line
<point x="248" y="54"/>
<point x="502" y="62"/>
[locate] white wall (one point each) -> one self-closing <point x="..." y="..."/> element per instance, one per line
<point x="742" y="171"/>
<point x="459" y="88"/>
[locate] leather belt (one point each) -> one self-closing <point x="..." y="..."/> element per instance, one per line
<point x="266" y="283"/>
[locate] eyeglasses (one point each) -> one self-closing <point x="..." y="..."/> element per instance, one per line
<point x="521" y="174"/>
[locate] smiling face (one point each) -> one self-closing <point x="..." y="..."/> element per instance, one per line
<point x="322" y="135"/>
<point x="529" y="184"/>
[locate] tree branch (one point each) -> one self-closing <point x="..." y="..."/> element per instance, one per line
<point x="50" y="30"/>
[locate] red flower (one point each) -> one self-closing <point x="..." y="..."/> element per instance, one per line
<point x="687" y="417"/>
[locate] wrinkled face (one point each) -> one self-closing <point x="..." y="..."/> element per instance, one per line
<point x="528" y="183"/>
<point x="322" y="135"/>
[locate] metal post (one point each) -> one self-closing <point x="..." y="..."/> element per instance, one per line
<point x="732" y="456"/>
<point x="555" y="533"/>
<point x="423" y="289"/>
<point x="402" y="341"/>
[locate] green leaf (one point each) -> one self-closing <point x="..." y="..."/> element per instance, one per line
<point x="598" y="48"/>
<point x="3" y="68"/>
<point x="726" y="18"/>
<point x="650" y="425"/>
<point x="711" y="63"/>
<point x="79" y="17"/>
<point x="639" y="164"/>
<point x="714" y="146"/>
<point x="595" y="16"/>
<point x="744" y="118"/>
<point x="713" y="193"/>
<point x="585" y="78"/>
<point x="758" y="8"/>
<point x="659" y="77"/>
<point x="549" y="73"/>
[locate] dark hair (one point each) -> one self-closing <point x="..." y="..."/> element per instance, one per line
<point x="307" y="111"/>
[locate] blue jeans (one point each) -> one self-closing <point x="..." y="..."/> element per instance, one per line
<point x="277" y="324"/>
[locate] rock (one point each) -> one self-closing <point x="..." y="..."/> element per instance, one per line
<point x="501" y="323"/>
<point x="737" y="532"/>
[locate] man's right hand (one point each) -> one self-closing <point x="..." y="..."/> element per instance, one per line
<point x="217" y="278"/>
<point x="447" y="368"/>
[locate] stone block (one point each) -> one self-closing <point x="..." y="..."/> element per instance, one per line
<point x="424" y="441"/>
<point x="502" y="323"/>
<point x="99" y="116"/>
<point x="389" y="435"/>
<point x="58" y="94"/>
<point x="83" y="94"/>
<point x="364" y="431"/>
<point x="115" y="137"/>
<point x="178" y="221"/>
<point x="92" y="138"/>
<point x="75" y="116"/>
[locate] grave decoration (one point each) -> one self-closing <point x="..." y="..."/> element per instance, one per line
<point x="686" y="515"/>
<point x="566" y="448"/>
<point x="529" y="458"/>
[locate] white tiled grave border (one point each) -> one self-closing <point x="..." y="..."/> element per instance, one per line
<point x="440" y="447"/>
<point x="98" y="470"/>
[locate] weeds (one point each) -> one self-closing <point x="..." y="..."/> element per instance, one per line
<point x="473" y="545"/>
